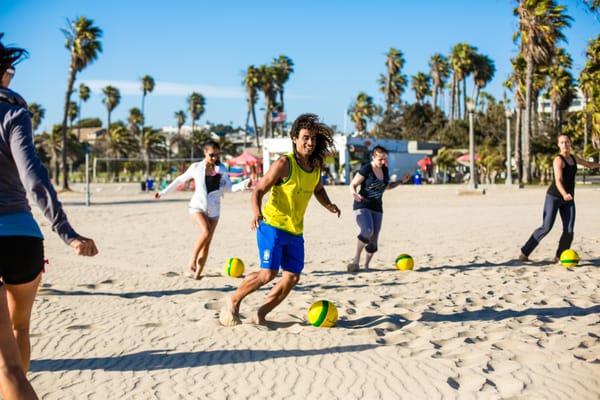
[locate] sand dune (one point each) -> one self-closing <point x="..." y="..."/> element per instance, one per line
<point x="469" y="322"/>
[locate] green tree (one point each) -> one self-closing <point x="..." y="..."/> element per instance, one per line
<point x="180" y="119"/>
<point x="119" y="142"/>
<point x="251" y="85"/>
<point x="83" y="43"/>
<point x="267" y="75"/>
<point x="84" y="95"/>
<point x="135" y="120"/>
<point x="73" y="113"/>
<point x="421" y="85"/>
<point x="147" y="87"/>
<point x="561" y="87"/>
<point x="152" y="143"/>
<point x="589" y="82"/>
<point x="461" y="61"/>
<point x="284" y="67"/>
<point x="112" y="98"/>
<point x="439" y="71"/>
<point x="541" y="24"/>
<point x="196" y="107"/>
<point x="393" y="83"/>
<point x="362" y="110"/>
<point x="37" y="115"/>
<point x="483" y="72"/>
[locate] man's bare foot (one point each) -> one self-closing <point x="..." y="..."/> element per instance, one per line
<point x="257" y="319"/>
<point x="228" y="316"/>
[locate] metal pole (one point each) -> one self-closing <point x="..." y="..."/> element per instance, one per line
<point x="508" y="160"/>
<point x="472" y="181"/>
<point x="87" y="179"/>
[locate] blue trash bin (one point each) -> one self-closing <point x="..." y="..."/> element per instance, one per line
<point x="149" y="184"/>
<point x="417" y="179"/>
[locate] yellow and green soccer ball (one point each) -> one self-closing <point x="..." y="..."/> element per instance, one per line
<point x="569" y="258"/>
<point x="323" y="314"/>
<point x="234" y="267"/>
<point x="405" y="262"/>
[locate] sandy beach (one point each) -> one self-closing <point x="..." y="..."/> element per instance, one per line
<point x="468" y="322"/>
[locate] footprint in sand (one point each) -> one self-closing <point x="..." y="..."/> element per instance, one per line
<point x="107" y="282"/>
<point x="171" y="274"/>
<point x="88" y="286"/>
<point x="150" y="325"/>
<point x="213" y="305"/>
<point x="46" y="285"/>
<point x="79" y="327"/>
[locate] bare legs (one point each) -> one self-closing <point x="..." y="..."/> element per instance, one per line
<point x="202" y="245"/>
<point x="20" y="301"/>
<point x="230" y="312"/>
<point x="13" y="382"/>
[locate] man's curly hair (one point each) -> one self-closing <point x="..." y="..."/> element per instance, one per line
<point x="324" y="137"/>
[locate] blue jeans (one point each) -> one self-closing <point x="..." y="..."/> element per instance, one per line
<point x="369" y="222"/>
<point x="553" y="205"/>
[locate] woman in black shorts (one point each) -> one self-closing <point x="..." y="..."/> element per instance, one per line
<point x="559" y="199"/>
<point x="21" y="240"/>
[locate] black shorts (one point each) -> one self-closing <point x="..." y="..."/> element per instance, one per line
<point x="21" y="259"/>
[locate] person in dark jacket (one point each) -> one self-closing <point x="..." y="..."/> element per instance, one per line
<point x="21" y="240"/>
<point x="560" y="198"/>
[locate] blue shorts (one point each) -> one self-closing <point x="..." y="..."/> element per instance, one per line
<point x="277" y="248"/>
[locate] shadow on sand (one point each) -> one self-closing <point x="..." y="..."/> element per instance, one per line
<point x="129" y="295"/>
<point x="102" y="202"/>
<point x="489" y="314"/>
<point x="153" y="360"/>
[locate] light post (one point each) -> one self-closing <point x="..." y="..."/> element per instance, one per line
<point x="508" y="115"/>
<point x="473" y="172"/>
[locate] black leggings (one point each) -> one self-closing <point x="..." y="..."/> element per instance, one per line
<point x="552" y="205"/>
<point x="21" y="259"/>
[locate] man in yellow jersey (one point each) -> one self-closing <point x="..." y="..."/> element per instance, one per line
<point x="292" y="179"/>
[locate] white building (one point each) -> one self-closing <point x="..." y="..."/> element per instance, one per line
<point x="545" y="105"/>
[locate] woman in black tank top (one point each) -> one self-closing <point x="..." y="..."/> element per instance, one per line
<point x="559" y="198"/>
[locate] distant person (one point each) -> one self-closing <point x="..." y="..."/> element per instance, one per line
<point x="292" y="181"/>
<point x="210" y="181"/>
<point x="560" y="198"/>
<point x="21" y="240"/>
<point x="371" y="180"/>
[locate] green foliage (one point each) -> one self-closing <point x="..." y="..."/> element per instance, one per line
<point x="90" y="123"/>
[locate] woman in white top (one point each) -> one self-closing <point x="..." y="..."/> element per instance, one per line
<point x="211" y="181"/>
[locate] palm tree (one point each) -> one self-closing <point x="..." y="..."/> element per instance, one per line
<point x="152" y="143"/>
<point x="73" y="113"/>
<point x="540" y="28"/>
<point x="362" y="110"/>
<point x="51" y="144"/>
<point x="83" y="42"/>
<point x="37" y="115"/>
<point x="284" y="67"/>
<point x="561" y="88"/>
<point x="196" y="107"/>
<point x="180" y="118"/>
<point x="392" y="84"/>
<point x="119" y="143"/>
<point x="147" y="87"/>
<point x="483" y="72"/>
<point x="445" y="160"/>
<point x="589" y="83"/>
<point x="84" y="95"/>
<point x="112" y="98"/>
<point x="516" y="83"/>
<point x="461" y="61"/>
<point x="135" y="120"/>
<point x="267" y="76"/>
<point x="421" y="85"/>
<point x="439" y="71"/>
<point x="251" y="84"/>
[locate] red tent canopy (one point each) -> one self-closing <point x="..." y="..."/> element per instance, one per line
<point x="247" y="160"/>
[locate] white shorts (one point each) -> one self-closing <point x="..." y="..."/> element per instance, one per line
<point x="213" y="206"/>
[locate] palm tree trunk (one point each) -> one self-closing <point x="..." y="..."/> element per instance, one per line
<point x="70" y="82"/>
<point x="246" y="127"/>
<point x="435" y="96"/>
<point x="79" y="122"/>
<point x="192" y="142"/>
<point x="256" y="132"/>
<point x="518" y="159"/>
<point x="527" y="123"/>
<point x="464" y="82"/>
<point x="476" y="97"/>
<point x="388" y="92"/>
<point x="453" y="100"/>
<point x="585" y="123"/>
<point x="267" y="115"/>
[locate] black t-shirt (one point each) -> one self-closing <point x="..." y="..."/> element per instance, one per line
<point x="568" y="178"/>
<point x="212" y="182"/>
<point x="371" y="189"/>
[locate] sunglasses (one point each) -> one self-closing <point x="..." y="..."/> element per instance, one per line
<point x="10" y="72"/>
<point x="213" y="155"/>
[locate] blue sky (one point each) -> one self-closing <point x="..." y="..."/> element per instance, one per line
<point x="338" y="48"/>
